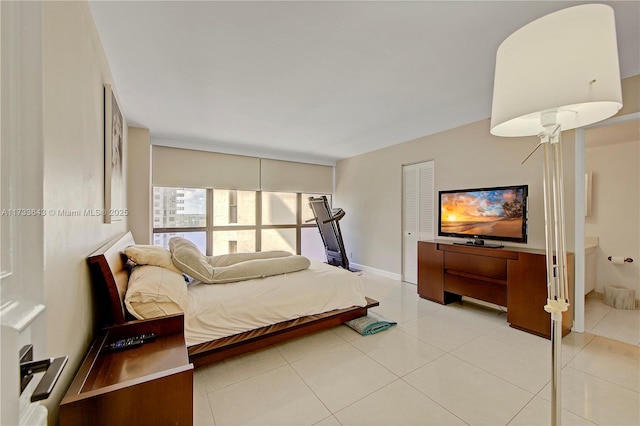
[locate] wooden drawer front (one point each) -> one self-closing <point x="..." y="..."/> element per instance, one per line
<point x="483" y="290"/>
<point x="492" y="267"/>
<point x="164" y="400"/>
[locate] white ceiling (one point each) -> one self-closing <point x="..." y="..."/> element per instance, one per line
<point x="314" y="81"/>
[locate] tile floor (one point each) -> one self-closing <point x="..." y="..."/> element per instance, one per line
<point x="441" y="365"/>
<point x="617" y="324"/>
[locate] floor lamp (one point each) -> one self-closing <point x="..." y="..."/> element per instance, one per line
<point x="557" y="73"/>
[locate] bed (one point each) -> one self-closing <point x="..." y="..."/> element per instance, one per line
<point x="110" y="277"/>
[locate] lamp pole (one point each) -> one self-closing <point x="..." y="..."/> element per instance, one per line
<point x="580" y="88"/>
<point x="557" y="282"/>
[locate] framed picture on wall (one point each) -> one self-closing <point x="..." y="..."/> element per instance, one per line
<point x="114" y="191"/>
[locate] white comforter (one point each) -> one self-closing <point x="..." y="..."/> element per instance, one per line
<point x="219" y="310"/>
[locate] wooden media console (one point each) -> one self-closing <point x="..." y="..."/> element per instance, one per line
<point x="511" y="277"/>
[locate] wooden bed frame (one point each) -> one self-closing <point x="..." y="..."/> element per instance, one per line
<point x="110" y="278"/>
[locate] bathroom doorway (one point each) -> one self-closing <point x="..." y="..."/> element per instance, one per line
<point x="611" y="226"/>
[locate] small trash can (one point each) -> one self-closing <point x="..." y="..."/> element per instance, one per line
<point x="620" y="297"/>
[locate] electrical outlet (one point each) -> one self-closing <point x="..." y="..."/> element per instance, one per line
<point x="350" y="255"/>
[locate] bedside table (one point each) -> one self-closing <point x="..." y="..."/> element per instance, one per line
<point x="142" y="385"/>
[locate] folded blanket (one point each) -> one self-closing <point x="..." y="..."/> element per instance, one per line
<point x="370" y="324"/>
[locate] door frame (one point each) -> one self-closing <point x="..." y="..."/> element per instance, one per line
<point x="22" y="317"/>
<point x="579" y="221"/>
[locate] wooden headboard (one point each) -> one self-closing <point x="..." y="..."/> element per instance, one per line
<point x="110" y="277"/>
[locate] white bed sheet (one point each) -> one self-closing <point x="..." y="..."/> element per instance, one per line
<point x="219" y="310"/>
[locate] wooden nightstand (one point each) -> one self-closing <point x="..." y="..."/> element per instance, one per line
<point x="150" y="384"/>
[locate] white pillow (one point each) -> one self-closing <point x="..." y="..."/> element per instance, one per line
<point x="154" y="291"/>
<point x="142" y="254"/>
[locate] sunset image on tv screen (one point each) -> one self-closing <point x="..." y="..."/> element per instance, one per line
<point x="492" y="212"/>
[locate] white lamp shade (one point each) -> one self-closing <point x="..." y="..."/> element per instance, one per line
<point x="565" y="62"/>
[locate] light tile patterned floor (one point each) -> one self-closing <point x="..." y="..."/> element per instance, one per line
<point x="618" y="324"/>
<point x="441" y="365"/>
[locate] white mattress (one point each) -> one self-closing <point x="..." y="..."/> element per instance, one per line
<point x="219" y="310"/>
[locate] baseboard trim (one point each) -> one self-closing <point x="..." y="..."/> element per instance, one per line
<point x="376" y="271"/>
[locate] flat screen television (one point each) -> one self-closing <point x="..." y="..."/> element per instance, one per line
<point x="497" y="213"/>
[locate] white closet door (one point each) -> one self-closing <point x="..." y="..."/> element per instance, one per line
<point x="410" y="224"/>
<point x="426" y="209"/>
<point x="417" y="214"/>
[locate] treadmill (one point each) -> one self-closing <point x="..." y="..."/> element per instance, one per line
<point x="327" y="220"/>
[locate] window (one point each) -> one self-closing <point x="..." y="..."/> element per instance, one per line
<point x="311" y="244"/>
<point x="279" y="208"/>
<point x="180" y="212"/>
<point x="281" y="225"/>
<point x="233" y="206"/>
<point x="279" y="239"/>
<point x="221" y="221"/>
<point x="191" y="213"/>
<point x="197" y="238"/>
<point x="245" y="241"/>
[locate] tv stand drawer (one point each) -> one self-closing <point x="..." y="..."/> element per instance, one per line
<point x="492" y="267"/>
<point x="478" y="289"/>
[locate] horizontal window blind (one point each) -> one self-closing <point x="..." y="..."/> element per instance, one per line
<point x="191" y="168"/>
<point x="179" y="167"/>
<point x="289" y="176"/>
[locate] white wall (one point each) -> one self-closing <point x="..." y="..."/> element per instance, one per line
<point x="615" y="212"/>
<point x="139" y="202"/>
<point x="75" y="70"/>
<point x="369" y="186"/>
